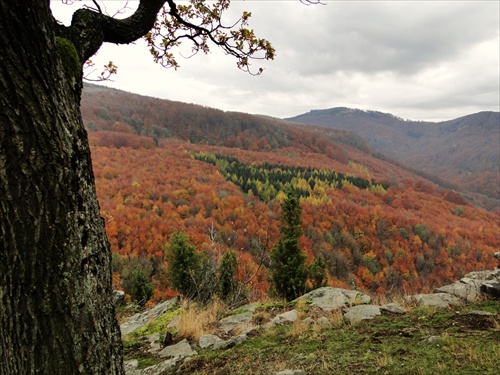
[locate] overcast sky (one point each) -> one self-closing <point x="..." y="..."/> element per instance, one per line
<point x="420" y="60"/>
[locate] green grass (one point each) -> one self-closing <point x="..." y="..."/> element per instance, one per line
<point x="159" y="325"/>
<point x="390" y="344"/>
<point x="467" y="345"/>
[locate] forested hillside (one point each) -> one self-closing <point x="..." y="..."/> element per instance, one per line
<point x="464" y="151"/>
<point x="378" y="227"/>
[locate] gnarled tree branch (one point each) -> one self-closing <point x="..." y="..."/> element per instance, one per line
<point x="90" y="29"/>
<point x="165" y="24"/>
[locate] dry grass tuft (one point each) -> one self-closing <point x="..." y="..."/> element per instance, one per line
<point x="195" y="320"/>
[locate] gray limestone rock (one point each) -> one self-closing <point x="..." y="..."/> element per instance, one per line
<point x="139" y="320"/>
<point x="361" y="312"/>
<point x="234" y="341"/>
<point x="285" y="318"/>
<point x="182" y="349"/>
<point x="231" y="322"/>
<point x="328" y="298"/>
<point x="467" y="289"/>
<point x="392" y="308"/>
<point x="210" y="342"/>
<point x="442" y="300"/>
<point x="118" y="298"/>
<point x="432" y="339"/>
<point x="163" y="367"/>
<point x="290" y="372"/>
<point x="154" y="337"/>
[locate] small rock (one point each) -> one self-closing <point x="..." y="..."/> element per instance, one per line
<point x="361" y="312"/>
<point x="328" y="298"/>
<point x="442" y="300"/>
<point x="287" y="317"/>
<point x="432" y="339"/>
<point x="467" y="289"/>
<point x="210" y="341"/>
<point x="231" y="322"/>
<point x="290" y="372"/>
<point x="154" y="337"/>
<point x="162" y="367"/>
<point x="393" y="308"/>
<point x="118" y="298"/>
<point x="139" y="320"/>
<point x="182" y="349"/>
<point x="234" y="341"/>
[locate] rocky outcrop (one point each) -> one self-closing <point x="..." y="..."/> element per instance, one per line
<point x="139" y="320"/>
<point x="467" y="289"/>
<point x="328" y="298"/>
<point x="316" y="306"/>
<point x="441" y="300"/>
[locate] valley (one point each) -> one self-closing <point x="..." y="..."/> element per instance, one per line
<point x="400" y="233"/>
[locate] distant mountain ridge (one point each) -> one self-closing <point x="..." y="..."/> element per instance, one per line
<point x="463" y="151"/>
<point x="453" y="154"/>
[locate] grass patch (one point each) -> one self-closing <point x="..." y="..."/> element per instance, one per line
<point x="159" y="325"/>
<point x="423" y="341"/>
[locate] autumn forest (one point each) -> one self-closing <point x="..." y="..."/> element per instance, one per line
<point x="162" y="167"/>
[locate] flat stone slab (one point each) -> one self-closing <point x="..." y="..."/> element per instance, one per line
<point x="180" y="350"/>
<point x="231" y="322"/>
<point x="442" y="300"/>
<point x="393" y="308"/>
<point x="328" y="298"/>
<point x="467" y="289"/>
<point x="285" y="318"/>
<point x="210" y="342"/>
<point x="361" y="312"/>
<point x="139" y="320"/>
<point x="162" y="368"/>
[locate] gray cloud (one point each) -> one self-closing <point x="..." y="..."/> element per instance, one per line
<point x="422" y="60"/>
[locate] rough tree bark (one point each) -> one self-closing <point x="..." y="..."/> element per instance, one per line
<point x="56" y="311"/>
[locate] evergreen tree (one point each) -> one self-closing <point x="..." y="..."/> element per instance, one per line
<point x="140" y="286"/>
<point x="317" y="273"/>
<point x="227" y="271"/>
<point x="288" y="268"/>
<point x="183" y="264"/>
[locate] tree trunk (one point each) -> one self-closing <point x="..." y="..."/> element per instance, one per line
<point x="56" y="311"/>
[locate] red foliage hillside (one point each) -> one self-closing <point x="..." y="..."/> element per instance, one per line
<point x="412" y="236"/>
